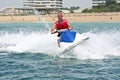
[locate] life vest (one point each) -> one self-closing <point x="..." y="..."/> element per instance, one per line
<point x="62" y="25"/>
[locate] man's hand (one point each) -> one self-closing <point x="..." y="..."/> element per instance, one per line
<point x="53" y="32"/>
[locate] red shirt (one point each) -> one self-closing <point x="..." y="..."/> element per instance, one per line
<point x="62" y="25"/>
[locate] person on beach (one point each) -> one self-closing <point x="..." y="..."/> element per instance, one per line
<point x="60" y="25"/>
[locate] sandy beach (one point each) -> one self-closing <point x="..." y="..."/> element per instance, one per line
<point x="81" y="17"/>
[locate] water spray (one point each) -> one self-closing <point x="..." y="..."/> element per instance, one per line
<point x="41" y="18"/>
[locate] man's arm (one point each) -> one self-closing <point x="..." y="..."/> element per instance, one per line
<point x="53" y="29"/>
<point x="69" y="25"/>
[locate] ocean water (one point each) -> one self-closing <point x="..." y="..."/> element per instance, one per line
<point x="29" y="52"/>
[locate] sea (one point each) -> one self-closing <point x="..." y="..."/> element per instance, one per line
<point x="29" y="52"/>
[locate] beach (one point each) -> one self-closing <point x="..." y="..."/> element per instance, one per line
<point x="73" y="17"/>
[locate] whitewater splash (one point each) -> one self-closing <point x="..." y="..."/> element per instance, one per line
<point x="99" y="46"/>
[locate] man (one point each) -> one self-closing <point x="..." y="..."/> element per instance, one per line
<point x="61" y="24"/>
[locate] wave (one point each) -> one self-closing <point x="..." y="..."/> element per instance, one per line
<point x="99" y="46"/>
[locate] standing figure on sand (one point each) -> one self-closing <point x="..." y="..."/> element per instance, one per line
<point x="59" y="26"/>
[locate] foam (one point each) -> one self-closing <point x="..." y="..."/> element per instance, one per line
<point x="99" y="46"/>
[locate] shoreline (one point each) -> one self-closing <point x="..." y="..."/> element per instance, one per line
<point x="81" y="17"/>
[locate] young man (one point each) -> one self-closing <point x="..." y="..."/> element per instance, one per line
<point x="61" y="24"/>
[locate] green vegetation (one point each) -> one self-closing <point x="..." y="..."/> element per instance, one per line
<point x="109" y="6"/>
<point x="71" y="9"/>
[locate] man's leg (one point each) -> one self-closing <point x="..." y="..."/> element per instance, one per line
<point x="58" y="41"/>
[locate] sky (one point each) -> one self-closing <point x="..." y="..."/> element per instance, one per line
<point x="66" y="3"/>
<point x="80" y="3"/>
